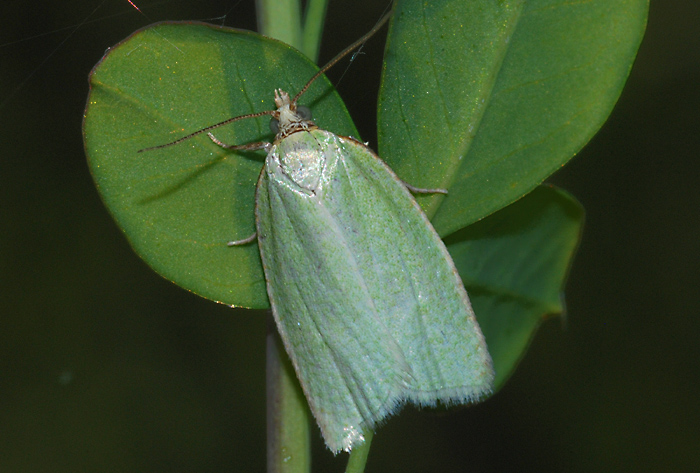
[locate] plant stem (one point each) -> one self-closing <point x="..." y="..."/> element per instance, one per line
<point x="280" y="19"/>
<point x="358" y="456"/>
<point x="288" y="416"/>
<point x="314" y="19"/>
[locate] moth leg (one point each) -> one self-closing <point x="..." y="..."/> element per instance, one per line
<point x="244" y="241"/>
<point x="419" y="190"/>
<point x="248" y="147"/>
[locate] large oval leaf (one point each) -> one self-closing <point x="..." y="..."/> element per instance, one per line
<point x="492" y="97"/>
<point x="514" y="264"/>
<point x="179" y="205"/>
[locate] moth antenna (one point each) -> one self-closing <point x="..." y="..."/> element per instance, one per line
<point x="342" y="54"/>
<point x="206" y="129"/>
<point x="330" y="64"/>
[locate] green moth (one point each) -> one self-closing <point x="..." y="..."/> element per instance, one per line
<point x="367" y="300"/>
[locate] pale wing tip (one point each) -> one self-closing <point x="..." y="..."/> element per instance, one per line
<point x="480" y="387"/>
<point x="350" y="437"/>
<point x="353" y="438"/>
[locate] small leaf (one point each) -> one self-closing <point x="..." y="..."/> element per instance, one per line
<point x="514" y="264"/>
<point x="487" y="98"/>
<point x="180" y="205"/>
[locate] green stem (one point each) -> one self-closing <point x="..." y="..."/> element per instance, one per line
<point x="314" y="19"/>
<point x="358" y="455"/>
<point x="288" y="416"/>
<point x="280" y="19"/>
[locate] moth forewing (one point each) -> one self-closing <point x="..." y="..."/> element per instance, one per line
<point x="364" y="293"/>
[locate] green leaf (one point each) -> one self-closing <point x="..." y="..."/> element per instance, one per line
<point x="180" y="205"/>
<point x="487" y="98"/>
<point x="514" y="264"/>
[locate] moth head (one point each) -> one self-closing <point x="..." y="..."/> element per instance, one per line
<point x="303" y="112"/>
<point x="289" y="117"/>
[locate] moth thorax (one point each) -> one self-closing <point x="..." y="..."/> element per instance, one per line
<point x="302" y="160"/>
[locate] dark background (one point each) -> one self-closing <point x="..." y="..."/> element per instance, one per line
<point x="106" y="367"/>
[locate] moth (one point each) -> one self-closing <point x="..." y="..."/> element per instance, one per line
<point x="366" y="298"/>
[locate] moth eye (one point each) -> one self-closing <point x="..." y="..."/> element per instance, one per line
<point x="304" y="112"/>
<point x="274" y="125"/>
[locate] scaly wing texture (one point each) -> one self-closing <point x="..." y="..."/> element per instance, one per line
<point x="366" y="298"/>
